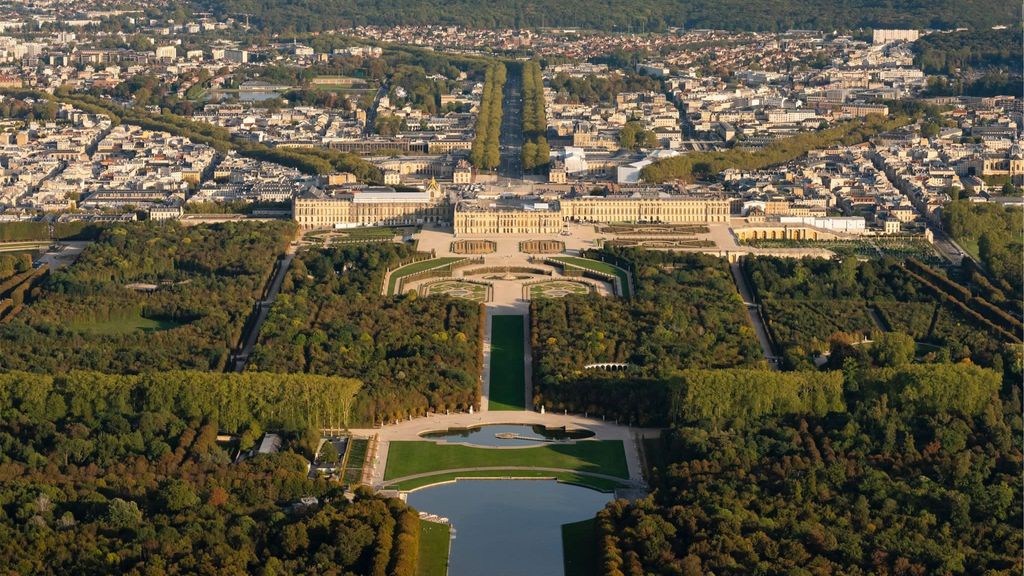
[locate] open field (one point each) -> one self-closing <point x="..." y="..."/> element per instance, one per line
<point x="409" y="457"/>
<point x="434" y="546"/>
<point x="508" y="375"/>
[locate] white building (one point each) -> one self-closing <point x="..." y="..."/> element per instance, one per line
<point x="844" y="224"/>
<point x="886" y="36"/>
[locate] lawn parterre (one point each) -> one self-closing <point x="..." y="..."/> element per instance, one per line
<point x="508" y="372"/>
<point x="409" y="457"/>
<point x="574" y="478"/>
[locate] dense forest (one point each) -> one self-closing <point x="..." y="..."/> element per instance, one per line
<point x="981" y="63"/>
<point x="686" y="313"/>
<point x="105" y="474"/>
<point x="146" y="297"/>
<point x="415" y="354"/>
<point x="620" y="15"/>
<point x="914" y="470"/>
<point x="814" y="306"/>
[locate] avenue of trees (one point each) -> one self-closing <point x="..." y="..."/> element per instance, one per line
<point x="414" y="354"/>
<point x="485" y="153"/>
<point x="704" y="165"/>
<point x="686" y="313"/>
<point x="126" y="475"/>
<point x="619" y="15"/>
<point x="196" y="289"/>
<point x="536" y="152"/>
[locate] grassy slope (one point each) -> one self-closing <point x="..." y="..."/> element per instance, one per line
<point x="598" y="266"/>
<point x="508" y="377"/>
<point x="417" y="267"/>
<point x="579" y="548"/>
<point x="434" y="545"/>
<point x="413" y="457"/>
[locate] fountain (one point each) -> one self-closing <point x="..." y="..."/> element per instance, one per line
<point x="508" y="269"/>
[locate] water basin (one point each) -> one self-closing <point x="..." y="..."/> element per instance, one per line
<point x="508" y="435"/>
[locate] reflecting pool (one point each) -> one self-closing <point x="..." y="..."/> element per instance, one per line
<point x="508" y="527"/>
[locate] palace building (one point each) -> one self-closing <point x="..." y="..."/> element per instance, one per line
<point x="472" y="221"/>
<point x="371" y="206"/>
<point x="360" y="205"/>
<point x="644" y="207"/>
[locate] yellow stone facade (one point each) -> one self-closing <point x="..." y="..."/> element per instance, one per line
<point x="663" y="210"/>
<point x="372" y="209"/>
<point x="506" y="222"/>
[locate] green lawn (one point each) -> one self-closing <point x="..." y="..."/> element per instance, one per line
<point x="434" y="545"/>
<point x="599" y="484"/>
<point x="123" y="325"/>
<point x="508" y="375"/>
<point x="579" y="548"/>
<point x="598" y="266"/>
<point x="409" y="457"/>
<point x="417" y="267"/>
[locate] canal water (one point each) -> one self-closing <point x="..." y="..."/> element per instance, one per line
<point x="508" y="527"/>
<point x="527" y="435"/>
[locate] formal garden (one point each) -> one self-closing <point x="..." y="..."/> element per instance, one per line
<point x="456" y="289"/>
<point x="896" y="247"/>
<point x="558" y="289"/>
